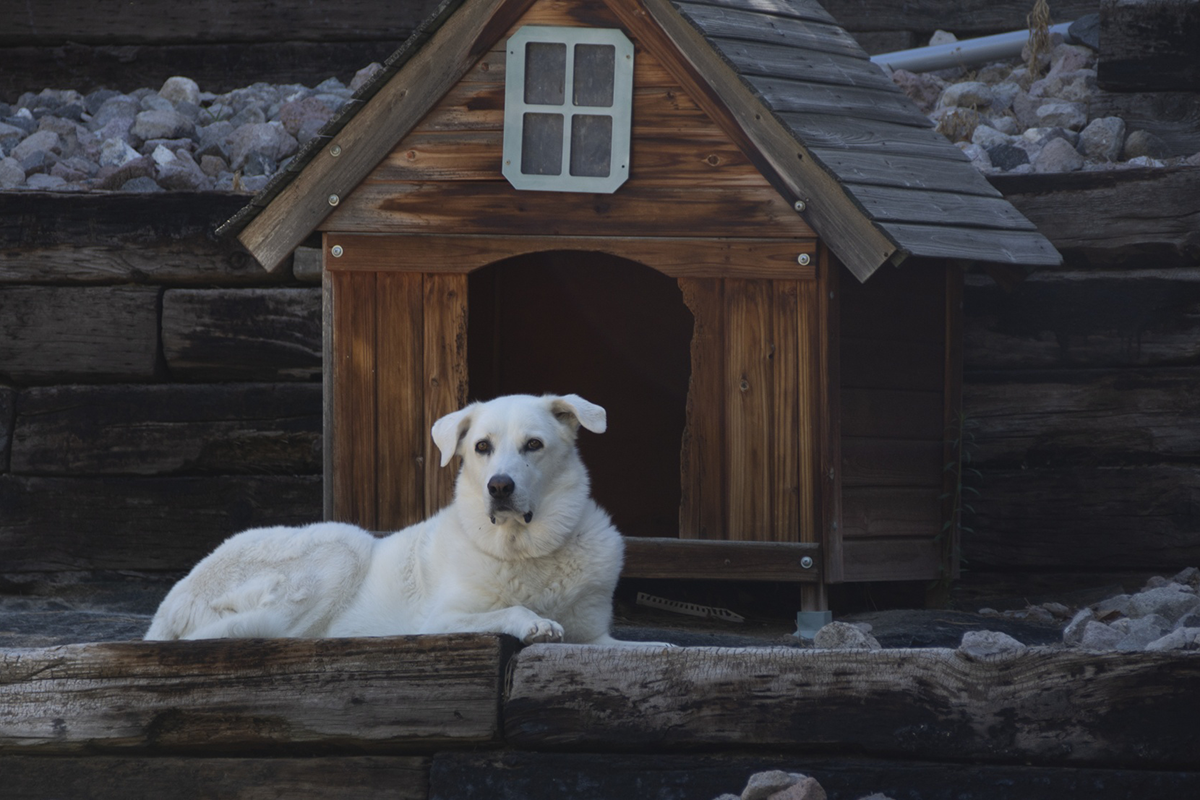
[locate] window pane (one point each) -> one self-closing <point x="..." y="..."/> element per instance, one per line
<point x="594" y="68"/>
<point x="541" y="144"/>
<point x="545" y="73"/>
<point x="591" y="145"/>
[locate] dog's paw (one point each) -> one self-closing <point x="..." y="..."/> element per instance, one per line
<point x="543" y="630"/>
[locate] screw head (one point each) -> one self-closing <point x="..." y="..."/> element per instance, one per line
<point x="336" y="251"/>
<point x="335" y="151"/>
<point x="803" y="259"/>
<point x="334" y="199"/>
<point x="800" y="205"/>
<point x="806" y="562"/>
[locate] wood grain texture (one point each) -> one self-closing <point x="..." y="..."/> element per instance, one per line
<point x="1043" y="706"/>
<point x="50" y="333"/>
<point x="1149" y="45"/>
<point x="54" y="524"/>
<point x="897" y="512"/>
<point x="702" y="458"/>
<point x="826" y="328"/>
<point x="445" y="375"/>
<point x="835" y="132"/>
<point x="750" y="390"/>
<point x="161" y="429"/>
<point x="684" y="559"/>
<point x="242" y="334"/>
<point x="974" y="17"/>
<point x="354" y="398"/>
<point x="893" y="559"/>
<point x="237" y="696"/>
<point x="677" y="258"/>
<point x="232" y="778"/>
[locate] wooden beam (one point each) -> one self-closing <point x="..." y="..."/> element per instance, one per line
<point x="702" y="453"/>
<point x="676" y="257"/>
<point x="1041" y="706"/>
<point x="1149" y="45"/>
<point x="354" y="398"/>
<point x="720" y="560"/>
<point x="367" y="138"/>
<point x="235" y="696"/>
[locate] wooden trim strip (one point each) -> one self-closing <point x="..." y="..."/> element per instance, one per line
<point x="696" y="559"/>
<point x="678" y="258"/>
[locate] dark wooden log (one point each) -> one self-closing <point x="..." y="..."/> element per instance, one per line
<point x="169" y="429"/>
<point x="122" y="777"/>
<point x="153" y="524"/>
<point x="1083" y="319"/>
<point x="552" y="776"/>
<point x="1042" y="706"/>
<point x="308" y="696"/>
<point x="1085" y="518"/>
<point x="970" y="18"/>
<point x="1145" y="218"/>
<point x="1060" y="420"/>
<point x="50" y="333"/>
<point x="721" y="560"/>
<point x="1149" y="45"/>
<point x="7" y="403"/>
<point x="1172" y="116"/>
<point x="56" y="238"/>
<point x="242" y="334"/>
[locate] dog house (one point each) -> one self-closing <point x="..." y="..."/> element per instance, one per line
<point x="717" y="219"/>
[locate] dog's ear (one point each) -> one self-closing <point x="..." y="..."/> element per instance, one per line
<point x="449" y="431"/>
<point x="573" y="410"/>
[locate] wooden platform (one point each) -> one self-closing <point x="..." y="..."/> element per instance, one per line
<point x="471" y="716"/>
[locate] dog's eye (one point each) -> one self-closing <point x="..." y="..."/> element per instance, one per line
<point x="533" y="444"/>
<point x="483" y="447"/>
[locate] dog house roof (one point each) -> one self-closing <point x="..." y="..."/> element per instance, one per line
<point x="823" y="124"/>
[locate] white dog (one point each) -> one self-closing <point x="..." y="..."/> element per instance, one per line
<point x="522" y="550"/>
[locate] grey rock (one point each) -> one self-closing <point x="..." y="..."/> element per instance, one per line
<point x="212" y="138"/>
<point x="37" y="162"/>
<point x="1103" y="138"/>
<point x="116" y="153"/>
<point x="115" y="128"/>
<point x="1144" y="161"/>
<point x="168" y="124"/>
<point x="258" y="164"/>
<point x="1178" y="639"/>
<point x="844" y="636"/>
<point x="1072" y="116"/>
<point x="178" y="89"/>
<point x="182" y="174"/>
<point x="1073" y="633"/>
<point x="968" y="94"/>
<point x="213" y="166"/>
<point x="40" y="141"/>
<point x="1039" y="614"/>
<point x="988" y="137"/>
<point x="1169" y="601"/>
<point x="1007" y="157"/>
<point x="807" y="788"/>
<point x="1189" y="620"/>
<point x="1145" y="143"/>
<point x="1098" y="636"/>
<point x="140" y="167"/>
<point x="363" y="75"/>
<point x="1156" y="582"/>
<point x="191" y="111"/>
<point x="1142" y="631"/>
<point x="117" y="106"/>
<point x="142" y="185"/>
<point x="1058" y="156"/>
<point x="979" y="157"/>
<point x="1189" y="576"/>
<point x="1003" y="95"/>
<point x="11" y="174"/>
<point x="1086" y="31"/>
<point x="764" y="784"/>
<point x="269" y="138"/>
<point x="10" y="135"/>
<point x="45" y="182"/>
<point x="251" y="115"/>
<point x="1025" y="108"/>
<point x="990" y="644"/>
<point x="94" y="100"/>
<point x="922" y="88"/>
<point x="68" y="173"/>
<point x="152" y="102"/>
<point x="1057" y="610"/>
<point x="150" y="145"/>
<point x="254" y="183"/>
<point x="1112" y="607"/>
<point x="304" y="118"/>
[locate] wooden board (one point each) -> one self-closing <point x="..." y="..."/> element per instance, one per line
<point x="238" y="696"/>
<point x="8" y="399"/>
<point x="1045" y="706"/>
<point x="1149" y="45"/>
<point x="50" y="333"/>
<point x="893" y="559"/>
<point x="58" y="524"/>
<point x="681" y="559"/>
<point x="702" y="512"/>
<point x="968" y="18"/>
<point x="169" y="429"/>
<point x="242" y="334"/>
<point x="445" y="375"/>
<point x="354" y="416"/>
<point x="121" y="777"/>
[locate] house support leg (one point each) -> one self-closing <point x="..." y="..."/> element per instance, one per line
<point x="814" y="611"/>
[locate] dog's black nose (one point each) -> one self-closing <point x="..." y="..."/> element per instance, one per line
<point x="501" y="486"/>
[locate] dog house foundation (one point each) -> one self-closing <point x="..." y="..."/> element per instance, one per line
<point x="696" y="210"/>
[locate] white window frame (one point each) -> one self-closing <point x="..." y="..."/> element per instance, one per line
<point x="515" y="108"/>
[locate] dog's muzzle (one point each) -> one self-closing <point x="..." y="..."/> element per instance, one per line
<point x="501" y="488"/>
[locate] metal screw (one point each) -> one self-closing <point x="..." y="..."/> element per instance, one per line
<point x="803" y="259"/>
<point x="335" y="151"/>
<point x="800" y="205"/>
<point x="334" y="199"/>
<point x="336" y="251"/>
<point x="806" y="562"/>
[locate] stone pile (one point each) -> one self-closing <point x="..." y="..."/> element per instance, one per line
<point x="779" y="785"/>
<point x="1164" y="615"/>
<point x="177" y="138"/>
<point x="1007" y="118"/>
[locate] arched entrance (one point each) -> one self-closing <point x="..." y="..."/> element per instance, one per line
<point x="611" y="330"/>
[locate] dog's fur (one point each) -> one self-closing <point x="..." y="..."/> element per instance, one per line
<point x="522" y="550"/>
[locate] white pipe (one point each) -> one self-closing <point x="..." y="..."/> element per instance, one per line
<point x="955" y="54"/>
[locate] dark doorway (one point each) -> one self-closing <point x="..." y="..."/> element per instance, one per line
<point x="616" y="333"/>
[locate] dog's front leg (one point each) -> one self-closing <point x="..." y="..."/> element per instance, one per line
<point x="516" y="621"/>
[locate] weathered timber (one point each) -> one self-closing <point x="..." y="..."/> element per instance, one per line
<point x="241" y="696"/>
<point x="1144" y="218"/>
<point x="1172" y="116"/>
<point x="1085" y="518"/>
<point x="1149" y="45"/>
<point x="217" y="67"/>
<point x="720" y="560"/>
<point x="968" y="18"/>
<point x="55" y="524"/>
<point x="242" y="334"/>
<point x="892" y="558"/>
<point x="1042" y="706"/>
<point x="161" y="429"/>
<point x="63" y="334"/>
<point x="1062" y="419"/>
<point x="8" y="398"/>
<point x="1083" y="319"/>
<point x="56" y="238"/>
<point x="121" y="777"/>
<point x="551" y="776"/>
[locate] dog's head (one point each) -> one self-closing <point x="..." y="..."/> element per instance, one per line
<point x="518" y="453"/>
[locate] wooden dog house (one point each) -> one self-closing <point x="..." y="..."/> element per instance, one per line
<point x="654" y="204"/>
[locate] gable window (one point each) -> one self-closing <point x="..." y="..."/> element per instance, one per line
<point x="568" y="94"/>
